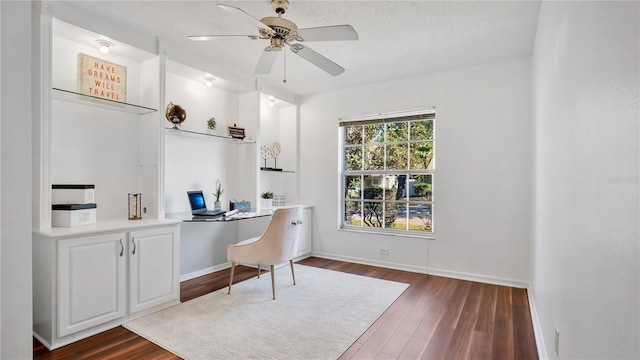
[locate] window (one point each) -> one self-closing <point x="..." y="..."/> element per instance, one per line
<point x="388" y="171"/>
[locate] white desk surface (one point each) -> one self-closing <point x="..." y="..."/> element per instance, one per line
<point x="187" y="217"/>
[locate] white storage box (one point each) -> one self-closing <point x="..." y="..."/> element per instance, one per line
<point x="73" y="194"/>
<point x="73" y="214"/>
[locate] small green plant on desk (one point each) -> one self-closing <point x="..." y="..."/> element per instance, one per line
<point x="267" y="195"/>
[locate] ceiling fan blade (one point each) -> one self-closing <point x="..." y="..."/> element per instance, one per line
<point x="211" y="37"/>
<point x="328" y="33"/>
<point x="316" y="59"/>
<point x="267" y="59"/>
<point x="246" y="16"/>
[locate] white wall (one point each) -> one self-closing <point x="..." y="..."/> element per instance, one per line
<point x="15" y="191"/>
<point x="279" y="124"/>
<point x="195" y="162"/>
<point x="483" y="181"/>
<point x="585" y="273"/>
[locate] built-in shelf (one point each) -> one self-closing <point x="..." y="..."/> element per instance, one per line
<point x="72" y="96"/>
<point x="277" y="170"/>
<point x="177" y="131"/>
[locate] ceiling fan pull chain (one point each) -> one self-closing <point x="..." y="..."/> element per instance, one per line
<point x="284" y="65"/>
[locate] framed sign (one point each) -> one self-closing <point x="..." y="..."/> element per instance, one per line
<point x="236" y="132"/>
<point x="101" y="78"/>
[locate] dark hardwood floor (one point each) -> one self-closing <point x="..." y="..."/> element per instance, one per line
<point x="435" y="318"/>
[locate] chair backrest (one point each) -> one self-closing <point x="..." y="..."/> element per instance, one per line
<point x="280" y="238"/>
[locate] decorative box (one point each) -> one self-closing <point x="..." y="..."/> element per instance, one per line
<point x="73" y="194"/>
<point x="279" y="200"/>
<point x="69" y="215"/>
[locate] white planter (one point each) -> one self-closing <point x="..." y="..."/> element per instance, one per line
<point x="266" y="203"/>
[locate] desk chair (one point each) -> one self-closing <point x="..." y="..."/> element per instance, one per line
<point x="276" y="245"/>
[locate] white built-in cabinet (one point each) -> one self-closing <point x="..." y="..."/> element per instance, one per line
<point x="305" y="239"/>
<point x="91" y="278"/>
<point x="87" y="282"/>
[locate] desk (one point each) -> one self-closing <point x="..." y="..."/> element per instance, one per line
<point x="204" y="241"/>
<point x="187" y="217"/>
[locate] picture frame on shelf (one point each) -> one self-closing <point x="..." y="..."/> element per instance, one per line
<point x="236" y="132"/>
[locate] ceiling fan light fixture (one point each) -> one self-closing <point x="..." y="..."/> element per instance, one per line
<point x="104" y="45"/>
<point x="277" y="44"/>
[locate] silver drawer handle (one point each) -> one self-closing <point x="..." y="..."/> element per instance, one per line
<point x="121" y="248"/>
<point x="133" y="240"/>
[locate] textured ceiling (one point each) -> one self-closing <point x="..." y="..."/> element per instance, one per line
<point x="397" y="38"/>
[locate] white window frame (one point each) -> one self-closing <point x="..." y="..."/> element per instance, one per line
<point x="343" y="174"/>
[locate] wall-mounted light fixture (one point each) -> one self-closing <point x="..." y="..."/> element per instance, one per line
<point x="104" y="45"/>
<point x="209" y="79"/>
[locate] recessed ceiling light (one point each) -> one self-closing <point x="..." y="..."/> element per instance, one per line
<point x="209" y="79"/>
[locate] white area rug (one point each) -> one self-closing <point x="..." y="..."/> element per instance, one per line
<point x="319" y="318"/>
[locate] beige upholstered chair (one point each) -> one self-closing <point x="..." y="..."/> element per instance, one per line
<point x="276" y="245"/>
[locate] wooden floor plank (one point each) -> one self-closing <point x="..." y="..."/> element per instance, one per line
<point x="487" y="309"/>
<point x="481" y="343"/>
<point x="396" y="343"/>
<point x="435" y="318"/>
<point x="503" y="346"/>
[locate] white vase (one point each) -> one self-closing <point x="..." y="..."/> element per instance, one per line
<point x="266" y="203"/>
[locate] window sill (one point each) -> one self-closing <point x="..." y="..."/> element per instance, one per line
<point x="429" y="236"/>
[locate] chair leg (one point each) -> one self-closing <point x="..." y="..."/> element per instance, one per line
<point x="258" y="271"/>
<point x="292" y="273"/>
<point x="233" y="267"/>
<point x="273" y="284"/>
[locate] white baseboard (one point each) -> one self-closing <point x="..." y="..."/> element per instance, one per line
<point x="478" y="278"/>
<point x="206" y="271"/>
<point x="426" y="270"/>
<point x="388" y="265"/>
<point x="537" y="329"/>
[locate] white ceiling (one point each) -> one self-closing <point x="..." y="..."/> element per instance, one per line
<point x="397" y="38"/>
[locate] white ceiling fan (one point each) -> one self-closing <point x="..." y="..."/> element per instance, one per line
<point x="280" y="32"/>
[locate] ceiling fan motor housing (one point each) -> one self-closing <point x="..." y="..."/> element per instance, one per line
<point x="283" y="31"/>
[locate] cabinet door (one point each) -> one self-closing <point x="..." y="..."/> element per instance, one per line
<point x="154" y="275"/>
<point x="306" y="233"/>
<point x="91" y="281"/>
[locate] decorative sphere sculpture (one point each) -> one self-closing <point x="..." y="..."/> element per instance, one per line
<point x="175" y="114"/>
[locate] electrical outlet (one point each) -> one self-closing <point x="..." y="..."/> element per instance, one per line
<point x="556" y="342"/>
<point x="383" y="251"/>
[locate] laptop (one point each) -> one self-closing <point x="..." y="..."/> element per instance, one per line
<point x="198" y="205"/>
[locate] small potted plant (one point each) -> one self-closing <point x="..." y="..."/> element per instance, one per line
<point x="267" y="199"/>
<point x="211" y="124"/>
<point x="218" y="205"/>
